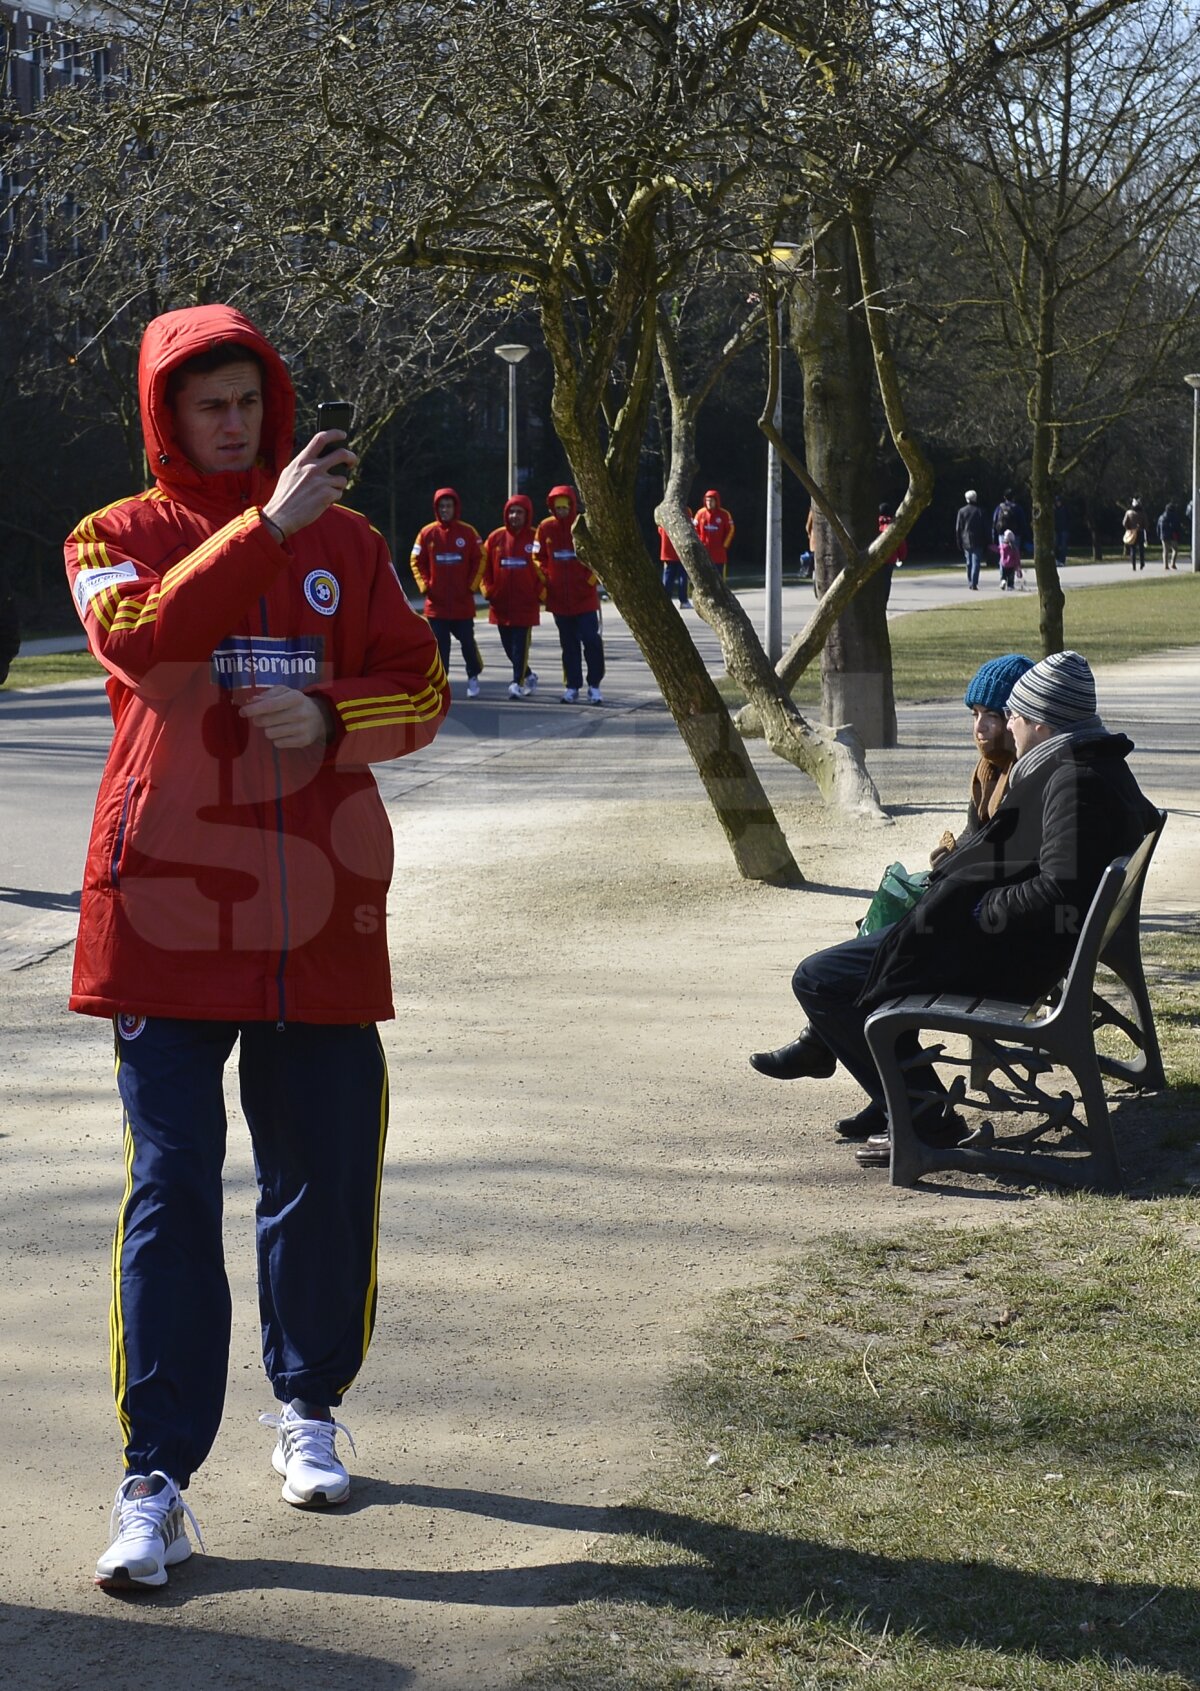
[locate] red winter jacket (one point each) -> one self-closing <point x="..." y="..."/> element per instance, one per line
<point x="901" y="552"/>
<point x="715" y="529"/>
<point x="666" y="547"/>
<point x="227" y="880"/>
<point x="571" y="588"/>
<point x="513" y="584"/>
<point x="447" y="560"/>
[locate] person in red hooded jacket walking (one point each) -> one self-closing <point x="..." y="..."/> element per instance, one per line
<point x="572" y="596"/>
<point x="714" y="525"/>
<point x="515" y="589"/>
<point x="261" y="656"/>
<point x="447" y="562"/>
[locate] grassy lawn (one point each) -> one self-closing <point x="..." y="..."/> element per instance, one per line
<point x="934" y="653"/>
<point x="51" y="671"/>
<point x="949" y="1458"/>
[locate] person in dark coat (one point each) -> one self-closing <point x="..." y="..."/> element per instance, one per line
<point x="971" y="536"/>
<point x="1003" y="911"/>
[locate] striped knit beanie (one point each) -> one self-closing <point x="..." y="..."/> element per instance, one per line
<point x="994" y="680"/>
<point x="1060" y="691"/>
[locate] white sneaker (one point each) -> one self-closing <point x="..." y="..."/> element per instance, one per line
<point x="531" y="681"/>
<point x="570" y="695"/>
<point x="306" y="1459"/>
<point x="516" y="691"/>
<point x="148" y="1533"/>
<point x="473" y="687"/>
<point x="595" y="697"/>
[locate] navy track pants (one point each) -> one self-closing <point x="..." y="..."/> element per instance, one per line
<point x="580" y="639"/>
<point x="316" y="1103"/>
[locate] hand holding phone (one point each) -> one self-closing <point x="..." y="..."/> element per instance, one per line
<point x="335" y="414"/>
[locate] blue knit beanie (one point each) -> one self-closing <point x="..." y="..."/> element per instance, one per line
<point x="994" y="680"/>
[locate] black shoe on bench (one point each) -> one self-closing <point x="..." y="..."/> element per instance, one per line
<point x="948" y="1129"/>
<point x="808" y="1056"/>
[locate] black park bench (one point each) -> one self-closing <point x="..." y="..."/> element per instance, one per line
<point x="1015" y="1047"/>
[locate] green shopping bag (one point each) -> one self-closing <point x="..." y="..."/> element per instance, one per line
<point x="896" y="894"/>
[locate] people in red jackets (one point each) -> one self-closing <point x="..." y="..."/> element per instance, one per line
<point x="714" y="525"/>
<point x="515" y="589"/>
<point x="261" y="655"/>
<point x="447" y="562"/>
<point x="572" y="596"/>
<point x="674" y="576"/>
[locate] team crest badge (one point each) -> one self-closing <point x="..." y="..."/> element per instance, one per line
<point x="322" y="591"/>
<point x="460" y="542"/>
<point x="129" y="1026"/>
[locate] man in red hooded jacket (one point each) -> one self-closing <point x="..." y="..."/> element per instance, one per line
<point x="261" y="655"/>
<point x="447" y="561"/>
<point x="572" y="596"/>
<point x="714" y="525"/>
<point x="515" y="589"/>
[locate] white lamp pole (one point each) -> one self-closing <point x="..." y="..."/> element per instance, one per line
<point x="1194" y="383"/>
<point x="512" y="356"/>
<point x="783" y="257"/>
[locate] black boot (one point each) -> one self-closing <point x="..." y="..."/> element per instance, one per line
<point x="806" y="1056"/>
<point x="868" y="1122"/>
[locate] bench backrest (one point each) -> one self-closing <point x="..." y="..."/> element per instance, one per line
<point x="1119" y="887"/>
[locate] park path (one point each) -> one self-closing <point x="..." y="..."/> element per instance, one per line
<point x="580" y="1163"/>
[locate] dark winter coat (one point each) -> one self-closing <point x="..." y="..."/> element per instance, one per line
<point x="971" y="529"/>
<point x="1003" y="912"/>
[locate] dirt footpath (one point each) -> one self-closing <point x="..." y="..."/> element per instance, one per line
<point x="580" y="1161"/>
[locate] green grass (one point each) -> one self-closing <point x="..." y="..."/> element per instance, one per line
<point x="51" y="670"/>
<point x="948" y="1458"/>
<point x="934" y="653"/>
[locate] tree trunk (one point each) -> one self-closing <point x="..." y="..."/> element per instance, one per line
<point x="831" y="341"/>
<point x="608" y="539"/>
<point x="1050" y="593"/>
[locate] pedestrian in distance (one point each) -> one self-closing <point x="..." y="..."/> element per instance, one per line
<point x="1062" y="531"/>
<point x="572" y="597"/>
<point x="1010" y="561"/>
<point x="1134" y="526"/>
<point x="674" y="576"/>
<point x="515" y="590"/>
<point x="714" y="525"/>
<point x="447" y="565"/>
<point x="971" y="535"/>
<point x="1009" y="514"/>
<point x="261" y="656"/>
<point x="1170" y="533"/>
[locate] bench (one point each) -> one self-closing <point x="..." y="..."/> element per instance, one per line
<point x="1013" y="1047"/>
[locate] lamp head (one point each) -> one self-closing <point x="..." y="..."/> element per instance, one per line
<point x="511" y="354"/>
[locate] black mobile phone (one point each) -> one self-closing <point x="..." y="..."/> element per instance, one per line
<point x="336" y="414"/>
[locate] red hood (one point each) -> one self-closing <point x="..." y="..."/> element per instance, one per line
<point x="526" y="505"/>
<point x="712" y="493"/>
<point x="170" y="340"/>
<point x="563" y="493"/>
<point x="446" y="493"/>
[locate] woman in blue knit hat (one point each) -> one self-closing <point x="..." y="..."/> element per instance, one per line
<point x="986" y="696"/>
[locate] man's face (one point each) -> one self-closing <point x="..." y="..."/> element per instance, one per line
<point x="711" y="502"/>
<point x="516" y="518"/>
<point x="445" y="510"/>
<point x="562" y="507"/>
<point x="1026" y="734"/>
<point x="218" y="417"/>
<point x="991" y="734"/>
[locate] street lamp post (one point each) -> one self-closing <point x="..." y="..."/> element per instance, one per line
<point x="1194" y="383"/>
<point x="512" y="356"/>
<point x="783" y="257"/>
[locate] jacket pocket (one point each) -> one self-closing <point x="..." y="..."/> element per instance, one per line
<point x="123" y="831"/>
